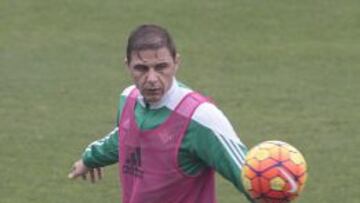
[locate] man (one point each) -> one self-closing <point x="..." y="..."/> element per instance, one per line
<point x="169" y="140"/>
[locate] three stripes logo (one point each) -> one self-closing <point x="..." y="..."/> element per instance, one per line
<point x="132" y="165"/>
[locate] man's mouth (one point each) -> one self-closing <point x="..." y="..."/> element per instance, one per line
<point x="152" y="90"/>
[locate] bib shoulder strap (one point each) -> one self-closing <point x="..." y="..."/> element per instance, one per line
<point x="134" y="93"/>
<point x="189" y="103"/>
<point x="129" y="105"/>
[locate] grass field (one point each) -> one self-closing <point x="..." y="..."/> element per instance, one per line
<point x="285" y="70"/>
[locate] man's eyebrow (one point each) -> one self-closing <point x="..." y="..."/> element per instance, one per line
<point x="140" y="64"/>
<point x="162" y="64"/>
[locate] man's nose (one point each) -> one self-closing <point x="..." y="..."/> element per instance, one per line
<point x="152" y="76"/>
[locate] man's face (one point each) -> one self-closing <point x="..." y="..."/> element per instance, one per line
<point x="152" y="71"/>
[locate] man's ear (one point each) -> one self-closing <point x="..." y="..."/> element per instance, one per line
<point x="177" y="61"/>
<point x="126" y="62"/>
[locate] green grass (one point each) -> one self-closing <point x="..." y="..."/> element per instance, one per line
<point x="285" y="70"/>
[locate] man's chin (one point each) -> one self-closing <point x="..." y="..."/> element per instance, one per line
<point x="152" y="99"/>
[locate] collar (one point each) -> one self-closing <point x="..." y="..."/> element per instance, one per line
<point x="164" y="100"/>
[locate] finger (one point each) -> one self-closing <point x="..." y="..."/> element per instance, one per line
<point x="99" y="173"/>
<point x="72" y="174"/>
<point x="92" y="176"/>
<point x="83" y="176"/>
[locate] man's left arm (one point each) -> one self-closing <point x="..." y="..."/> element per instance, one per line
<point x="215" y="143"/>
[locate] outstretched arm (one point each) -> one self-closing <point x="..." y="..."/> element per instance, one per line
<point x="98" y="154"/>
<point x="214" y="141"/>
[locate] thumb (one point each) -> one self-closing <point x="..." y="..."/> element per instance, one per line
<point x="74" y="173"/>
<point x="77" y="170"/>
<point x="71" y="175"/>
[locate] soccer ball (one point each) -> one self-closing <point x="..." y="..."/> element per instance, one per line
<point x="274" y="172"/>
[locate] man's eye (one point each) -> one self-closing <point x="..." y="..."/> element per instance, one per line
<point x="161" y="66"/>
<point x="141" y="68"/>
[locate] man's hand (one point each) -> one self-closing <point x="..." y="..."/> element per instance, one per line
<point x="79" y="169"/>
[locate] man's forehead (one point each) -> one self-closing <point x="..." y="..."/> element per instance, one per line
<point x="151" y="55"/>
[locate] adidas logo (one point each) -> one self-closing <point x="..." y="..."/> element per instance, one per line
<point x="132" y="165"/>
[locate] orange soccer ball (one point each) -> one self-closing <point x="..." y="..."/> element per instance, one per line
<point x="274" y="172"/>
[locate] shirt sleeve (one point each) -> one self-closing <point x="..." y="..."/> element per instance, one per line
<point x="104" y="151"/>
<point x="213" y="140"/>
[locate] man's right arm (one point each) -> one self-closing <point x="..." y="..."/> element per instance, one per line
<point x="102" y="152"/>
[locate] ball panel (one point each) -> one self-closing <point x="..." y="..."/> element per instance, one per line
<point x="296" y="170"/>
<point x="262" y="154"/>
<point x="297" y="158"/>
<point x="277" y="184"/>
<point x="271" y="173"/>
<point x="247" y="172"/>
<point x="302" y="181"/>
<point x="276" y="194"/>
<point x="252" y="164"/>
<point x="275" y="153"/>
<point x="264" y="185"/>
<point x="284" y="154"/>
<point x="252" y="153"/>
<point x="266" y="164"/>
<point x="256" y="185"/>
<point x="247" y="183"/>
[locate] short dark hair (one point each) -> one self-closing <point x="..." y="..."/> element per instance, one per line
<point x="149" y="36"/>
